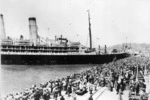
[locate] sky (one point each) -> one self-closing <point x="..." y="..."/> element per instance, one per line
<point x="112" y="21"/>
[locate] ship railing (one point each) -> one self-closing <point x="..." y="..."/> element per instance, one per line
<point x="40" y="53"/>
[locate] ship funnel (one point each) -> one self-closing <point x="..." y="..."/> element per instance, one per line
<point x="55" y="38"/>
<point x="33" y="30"/>
<point x="99" y="49"/>
<point x="2" y="28"/>
<point x="105" y="49"/>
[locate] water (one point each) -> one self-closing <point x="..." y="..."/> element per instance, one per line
<point x="17" y="78"/>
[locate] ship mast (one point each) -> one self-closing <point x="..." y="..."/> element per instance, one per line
<point x="90" y="35"/>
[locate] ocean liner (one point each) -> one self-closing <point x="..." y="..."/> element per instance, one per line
<point x="37" y="50"/>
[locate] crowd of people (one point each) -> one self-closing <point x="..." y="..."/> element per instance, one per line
<point x="123" y="74"/>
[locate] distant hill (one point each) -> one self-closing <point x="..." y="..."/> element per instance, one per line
<point x="133" y="46"/>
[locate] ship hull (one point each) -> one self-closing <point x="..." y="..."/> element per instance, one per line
<point x="59" y="59"/>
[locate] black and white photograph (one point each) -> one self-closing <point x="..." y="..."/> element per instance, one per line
<point x="75" y="49"/>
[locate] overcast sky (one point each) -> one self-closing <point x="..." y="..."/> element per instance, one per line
<point x="112" y="20"/>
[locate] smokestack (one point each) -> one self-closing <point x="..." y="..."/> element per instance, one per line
<point x="55" y="38"/>
<point x="99" y="49"/>
<point x="105" y="49"/>
<point x="33" y="30"/>
<point x="2" y="27"/>
<point x="61" y="38"/>
<point x="90" y="33"/>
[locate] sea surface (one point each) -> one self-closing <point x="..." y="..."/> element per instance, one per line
<point x="17" y="78"/>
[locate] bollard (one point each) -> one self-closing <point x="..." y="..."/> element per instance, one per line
<point x="74" y="98"/>
<point x="95" y="88"/>
<point x="62" y="98"/>
<point x="120" y="95"/>
<point x="90" y="98"/>
<point x="90" y="90"/>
